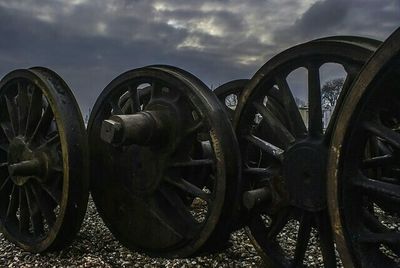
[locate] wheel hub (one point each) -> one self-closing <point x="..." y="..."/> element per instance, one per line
<point x="147" y="171"/>
<point x="304" y="171"/>
<point x="24" y="163"/>
<point x="151" y="135"/>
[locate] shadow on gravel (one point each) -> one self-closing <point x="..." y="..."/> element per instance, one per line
<point x="96" y="247"/>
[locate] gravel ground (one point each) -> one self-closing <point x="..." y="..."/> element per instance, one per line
<point x="96" y="247"/>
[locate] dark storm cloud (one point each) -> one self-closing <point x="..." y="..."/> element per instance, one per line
<point x="90" y="42"/>
<point x="87" y="61"/>
<point x="89" y="46"/>
<point x="322" y="16"/>
<point x="376" y="19"/>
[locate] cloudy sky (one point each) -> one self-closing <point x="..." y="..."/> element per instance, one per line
<point x="89" y="42"/>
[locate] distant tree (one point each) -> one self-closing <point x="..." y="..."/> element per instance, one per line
<point x="330" y="92"/>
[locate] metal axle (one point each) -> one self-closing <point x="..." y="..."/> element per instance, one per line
<point x="256" y="197"/>
<point x="143" y="128"/>
<point x="32" y="167"/>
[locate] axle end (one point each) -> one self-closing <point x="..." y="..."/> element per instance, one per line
<point x="111" y="131"/>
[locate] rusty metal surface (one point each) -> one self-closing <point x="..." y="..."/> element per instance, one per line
<point x="285" y="159"/>
<point x="362" y="182"/>
<point x="44" y="155"/>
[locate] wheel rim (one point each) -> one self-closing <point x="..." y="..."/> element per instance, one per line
<point x="363" y="203"/>
<point x="39" y="212"/>
<point x="290" y="179"/>
<point x="162" y="209"/>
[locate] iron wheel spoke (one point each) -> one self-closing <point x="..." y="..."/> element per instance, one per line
<point x="6" y="181"/>
<point x="389" y="135"/>
<point x="383" y="147"/>
<point x="57" y="168"/>
<point x="372" y="223"/>
<point x="135" y="99"/>
<point x="276" y="252"/>
<point x="196" y="127"/>
<point x="179" y="217"/>
<point x="389" y="238"/>
<point x="4" y="147"/>
<point x="192" y="163"/>
<point x="279" y="112"/>
<point x="44" y="123"/>
<point x="189" y="188"/>
<point x="45" y="203"/>
<point x="54" y="188"/>
<point x="7" y="130"/>
<point x="314" y="100"/>
<point x="127" y="107"/>
<point x="35" y="111"/>
<point x="145" y="95"/>
<point x="36" y="216"/>
<point x="275" y="125"/>
<point x="278" y="223"/>
<point x="116" y="110"/>
<point x="259" y="172"/>
<point x="23" y="212"/>
<point x="326" y="239"/>
<point x="296" y="122"/>
<point x="303" y="237"/>
<point x="156" y="87"/>
<point x="375" y="226"/>
<point x="51" y="142"/>
<point x="12" y="113"/>
<point x="269" y="148"/>
<point x="378" y="161"/>
<point x="23" y="107"/>
<point x="13" y="204"/>
<point x="385" y="190"/>
<point x="146" y="91"/>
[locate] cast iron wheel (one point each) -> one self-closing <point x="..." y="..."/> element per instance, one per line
<point x="152" y="183"/>
<point x="44" y="153"/>
<point x="286" y="180"/>
<point x="364" y="164"/>
<point x="228" y="94"/>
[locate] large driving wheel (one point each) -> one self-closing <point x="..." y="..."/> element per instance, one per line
<point x="165" y="173"/>
<point x="43" y="152"/>
<point x="364" y="164"/>
<point x="284" y="159"/>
